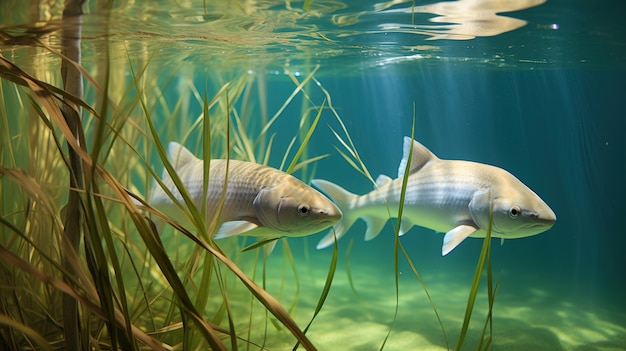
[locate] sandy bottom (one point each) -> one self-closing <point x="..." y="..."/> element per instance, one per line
<point x="525" y="317"/>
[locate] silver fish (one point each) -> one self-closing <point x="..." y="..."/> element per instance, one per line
<point x="447" y="196"/>
<point x="260" y="201"/>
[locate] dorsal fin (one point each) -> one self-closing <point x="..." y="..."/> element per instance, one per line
<point x="382" y="180"/>
<point x="421" y="156"/>
<point x="179" y="155"/>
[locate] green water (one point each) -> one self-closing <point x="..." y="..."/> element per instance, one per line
<point x="530" y="86"/>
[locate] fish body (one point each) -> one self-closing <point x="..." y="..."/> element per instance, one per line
<point x="259" y="200"/>
<point x="449" y="196"/>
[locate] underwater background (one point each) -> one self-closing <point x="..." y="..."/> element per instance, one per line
<point x="535" y="87"/>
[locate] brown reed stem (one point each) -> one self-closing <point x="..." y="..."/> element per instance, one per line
<point x="73" y="222"/>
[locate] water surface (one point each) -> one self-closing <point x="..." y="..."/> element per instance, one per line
<point x="535" y="87"/>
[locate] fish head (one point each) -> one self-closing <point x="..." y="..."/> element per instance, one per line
<point x="293" y="208"/>
<point x="518" y="212"/>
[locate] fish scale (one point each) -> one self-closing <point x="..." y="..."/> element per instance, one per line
<point x="450" y="196"/>
<point x="259" y="200"/>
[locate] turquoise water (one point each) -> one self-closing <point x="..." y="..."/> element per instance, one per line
<point x="537" y="89"/>
<point x="559" y="131"/>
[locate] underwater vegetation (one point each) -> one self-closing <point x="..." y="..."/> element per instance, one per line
<point x="82" y="264"/>
<point x="87" y="262"/>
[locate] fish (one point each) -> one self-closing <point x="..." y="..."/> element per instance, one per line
<point x="454" y="197"/>
<point x="259" y="200"/>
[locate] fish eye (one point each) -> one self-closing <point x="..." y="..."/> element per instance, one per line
<point x="304" y="210"/>
<point x="515" y="212"/>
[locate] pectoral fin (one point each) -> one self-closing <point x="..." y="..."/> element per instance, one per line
<point x="233" y="228"/>
<point x="454" y="237"/>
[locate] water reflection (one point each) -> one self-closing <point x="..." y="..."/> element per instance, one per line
<point x="275" y="32"/>
<point x="459" y="20"/>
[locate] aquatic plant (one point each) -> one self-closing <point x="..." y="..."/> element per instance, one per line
<point x="85" y="261"/>
<point x="352" y="157"/>
<point x="82" y="262"/>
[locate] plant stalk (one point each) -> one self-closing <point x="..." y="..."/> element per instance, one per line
<point x="73" y="222"/>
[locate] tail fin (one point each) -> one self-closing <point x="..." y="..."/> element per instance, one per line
<point x="342" y="199"/>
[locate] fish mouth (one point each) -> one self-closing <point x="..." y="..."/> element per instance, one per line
<point x="538" y="226"/>
<point x="316" y="225"/>
<point x="327" y="219"/>
<point x="312" y="228"/>
<point x="535" y="228"/>
<point x="331" y="216"/>
<point x="335" y="214"/>
<point x="327" y="222"/>
<point x="548" y="218"/>
<point x="544" y="223"/>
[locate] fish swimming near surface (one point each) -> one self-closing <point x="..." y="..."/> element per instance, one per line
<point x="259" y="200"/>
<point x="449" y="196"/>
